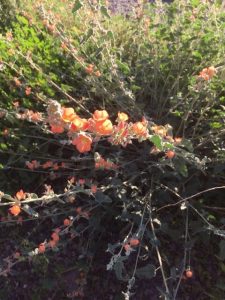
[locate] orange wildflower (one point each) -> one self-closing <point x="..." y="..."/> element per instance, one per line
<point x="34" y="164"/>
<point x="57" y="129"/>
<point x="81" y="181"/>
<point x="89" y="69"/>
<point x="94" y="189"/>
<point x="5" y="132"/>
<point x="66" y="222"/>
<point x="134" y="242"/>
<point x="28" y="91"/>
<point x="79" y="124"/>
<point x="17" y="81"/>
<point x="55" y="237"/>
<point x="189" y="273"/>
<point x="83" y="143"/>
<point x="16" y="104"/>
<point x="177" y="140"/>
<point x="122" y="117"/>
<point x="100" y="115"/>
<point x="20" y="195"/>
<point x="79" y="210"/>
<point x="170" y="154"/>
<point x="104" y="128"/>
<point x="207" y="73"/>
<point x="68" y="114"/>
<point x="63" y="45"/>
<point x="41" y="248"/>
<point x="98" y="74"/>
<point x="15" y="210"/>
<point x="139" y="128"/>
<point x="160" y="130"/>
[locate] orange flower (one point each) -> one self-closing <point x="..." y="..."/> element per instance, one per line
<point x="94" y="189"/>
<point x="98" y="74"/>
<point x="66" y="222"/>
<point x="68" y="114"/>
<point x="78" y="210"/>
<point x="160" y="130"/>
<point x="134" y="242"/>
<point x="211" y="71"/>
<point x="122" y="117"/>
<point x="28" y="91"/>
<point x="104" y="128"/>
<point x="79" y="124"/>
<point x="207" y="73"/>
<point x="81" y="181"/>
<point x="34" y="164"/>
<point x="189" y="273"/>
<point x="139" y="128"/>
<point x="17" y="81"/>
<point x="177" y="140"/>
<point x="89" y="69"/>
<point x="100" y="115"/>
<point x="41" y="248"/>
<point x="20" y="195"/>
<point x="83" y="143"/>
<point x="5" y="132"/>
<point x="15" y="210"/>
<point x="55" y="237"/>
<point x="170" y="154"/>
<point x="57" y="129"/>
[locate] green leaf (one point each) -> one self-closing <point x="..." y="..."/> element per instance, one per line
<point x="119" y="267"/>
<point x="157" y="141"/>
<point x="104" y="11"/>
<point x="123" y="67"/>
<point x="77" y="6"/>
<point x="146" y="272"/>
<point x="195" y="3"/>
<point x="101" y="198"/>
<point x="88" y="35"/>
<point x="181" y="167"/>
<point x="197" y="54"/>
<point x="30" y="211"/>
<point x="110" y="34"/>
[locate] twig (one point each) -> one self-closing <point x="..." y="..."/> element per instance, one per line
<point x="188" y="198"/>
<point x="185" y="255"/>
<point x="157" y="251"/>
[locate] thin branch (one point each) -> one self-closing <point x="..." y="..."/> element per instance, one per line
<point x="188" y="198"/>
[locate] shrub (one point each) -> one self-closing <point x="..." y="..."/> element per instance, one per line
<point x="138" y="188"/>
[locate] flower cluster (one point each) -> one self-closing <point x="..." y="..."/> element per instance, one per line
<point x="30" y="116"/>
<point x="101" y="163"/>
<point x="81" y="131"/>
<point x="207" y="73"/>
<point x="34" y="164"/>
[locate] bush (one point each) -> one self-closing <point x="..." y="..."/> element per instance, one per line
<point x="140" y="189"/>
